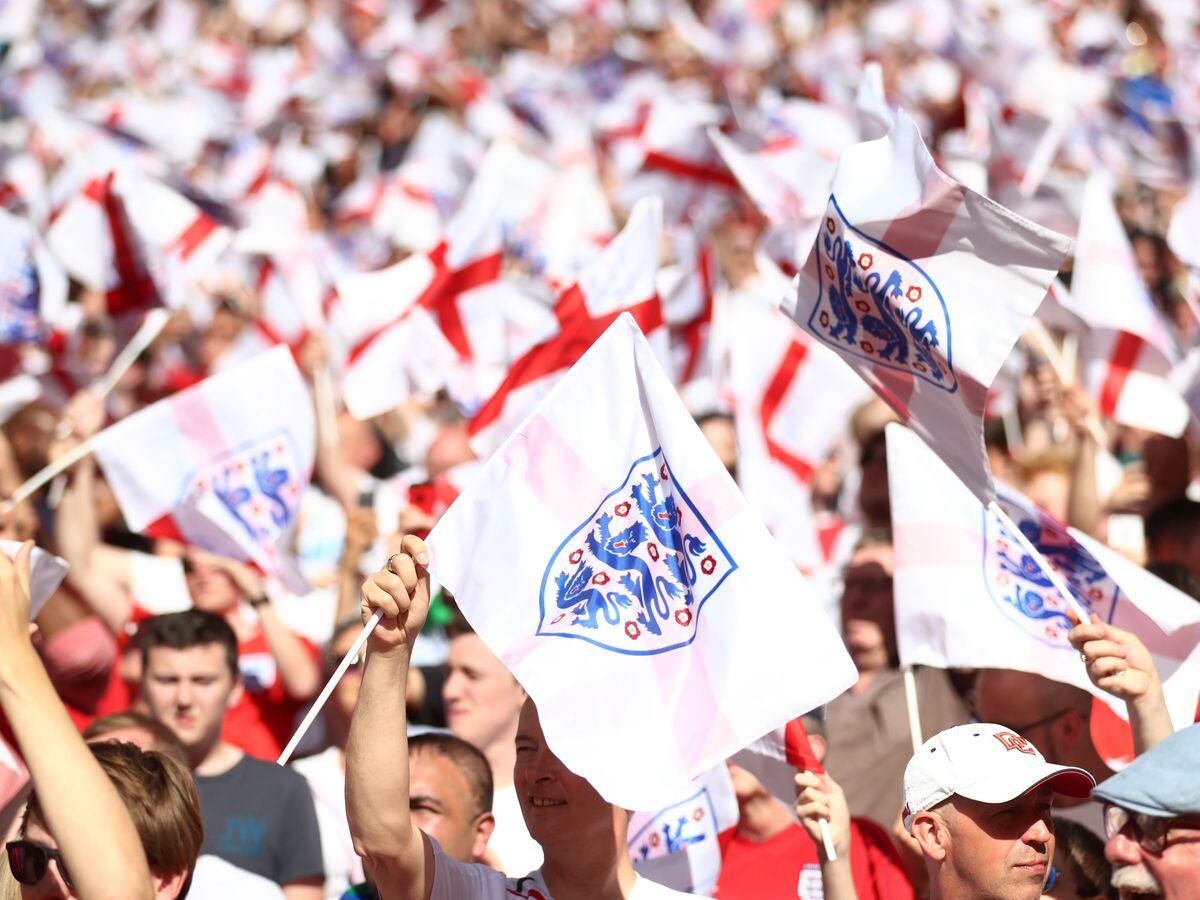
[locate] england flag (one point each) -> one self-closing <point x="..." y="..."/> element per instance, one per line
<point x="606" y="556"/>
<point x="221" y="465"/>
<point x="1005" y="614"/>
<point x="923" y="286"/>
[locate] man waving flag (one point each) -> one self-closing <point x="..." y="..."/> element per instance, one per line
<point x="607" y="557"/>
<point x="923" y="286"/>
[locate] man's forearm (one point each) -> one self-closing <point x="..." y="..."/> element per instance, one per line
<point x="1149" y="720"/>
<point x="377" y="797"/>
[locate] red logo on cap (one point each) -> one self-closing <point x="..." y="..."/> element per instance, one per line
<point x="1013" y="741"/>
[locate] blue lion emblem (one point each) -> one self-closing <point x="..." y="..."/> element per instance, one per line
<point x="635" y="575"/>
<point x="19" y="301"/>
<point x="879" y="305"/>
<point x="675" y="828"/>
<point x="1023" y="592"/>
<point x="259" y="484"/>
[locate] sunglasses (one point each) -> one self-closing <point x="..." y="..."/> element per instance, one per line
<point x="28" y="862"/>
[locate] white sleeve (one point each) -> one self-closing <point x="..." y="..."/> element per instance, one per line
<point x="454" y="880"/>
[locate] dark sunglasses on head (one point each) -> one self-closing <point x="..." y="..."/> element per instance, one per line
<point x="28" y="862"/>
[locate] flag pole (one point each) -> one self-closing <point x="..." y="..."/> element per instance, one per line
<point x="323" y="697"/>
<point x="914" y="711"/>
<point x="155" y="321"/>
<point x="64" y="462"/>
<point x="1042" y="563"/>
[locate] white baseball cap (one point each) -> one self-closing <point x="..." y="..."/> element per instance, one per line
<point x="983" y="762"/>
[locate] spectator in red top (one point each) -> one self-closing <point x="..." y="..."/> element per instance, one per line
<point x="770" y="855"/>
<point x="280" y="670"/>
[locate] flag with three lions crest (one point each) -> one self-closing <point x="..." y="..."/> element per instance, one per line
<point x="923" y="286"/>
<point x="968" y="595"/>
<point x="606" y="556"/>
<point x="222" y="465"/>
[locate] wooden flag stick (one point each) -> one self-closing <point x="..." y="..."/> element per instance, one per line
<point x="155" y="321"/>
<point x="1042" y="563"/>
<point x="323" y="697"/>
<point x="61" y="464"/>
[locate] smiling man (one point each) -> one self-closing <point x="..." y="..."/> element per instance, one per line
<point x="584" y="838"/>
<point x="977" y="799"/>
<point x="257" y="816"/>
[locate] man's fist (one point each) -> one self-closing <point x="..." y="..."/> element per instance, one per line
<point x="400" y="591"/>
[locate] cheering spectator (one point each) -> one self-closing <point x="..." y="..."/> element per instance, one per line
<point x="584" y="838"/>
<point x="769" y="853"/>
<point x="257" y="816"/>
<point x="77" y="822"/>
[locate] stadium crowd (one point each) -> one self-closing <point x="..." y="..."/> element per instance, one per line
<point x="221" y="179"/>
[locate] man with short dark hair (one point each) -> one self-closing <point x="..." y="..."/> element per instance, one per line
<point x="977" y="800"/>
<point x="257" y="816"/>
<point x="450" y="787"/>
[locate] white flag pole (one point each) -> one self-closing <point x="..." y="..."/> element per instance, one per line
<point x="914" y="711"/>
<point x="827" y="840"/>
<point x="155" y="321"/>
<point x="61" y="464"/>
<point x="1042" y="563"/>
<point x="323" y="697"/>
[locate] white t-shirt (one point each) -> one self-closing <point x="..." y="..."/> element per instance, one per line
<point x="517" y="852"/>
<point x="327" y="781"/>
<point x="216" y="879"/>
<point x="453" y="880"/>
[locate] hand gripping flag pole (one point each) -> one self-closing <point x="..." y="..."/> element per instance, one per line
<point x="323" y="697"/>
<point x="800" y="754"/>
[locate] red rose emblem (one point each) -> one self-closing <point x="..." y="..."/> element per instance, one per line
<point x="683" y="617"/>
<point x="632" y="631"/>
<point x="707" y="565"/>
<point x="622" y="509"/>
<point x="575" y="557"/>
<point x="600" y="578"/>
<point x="652" y="549"/>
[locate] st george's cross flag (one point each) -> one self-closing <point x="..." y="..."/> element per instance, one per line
<point x="222" y="465"/>
<point x="1127" y="352"/>
<point x="620" y="279"/>
<point x="923" y="286"/>
<point x="679" y="845"/>
<point x="1004" y="612"/>
<point x="607" y="558"/>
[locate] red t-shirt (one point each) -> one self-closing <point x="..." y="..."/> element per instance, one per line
<point x="262" y="721"/>
<point x="786" y="866"/>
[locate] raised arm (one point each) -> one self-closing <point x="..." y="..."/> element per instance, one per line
<point x="820" y="797"/>
<point x="1119" y="663"/>
<point x="82" y="809"/>
<point x="395" y="853"/>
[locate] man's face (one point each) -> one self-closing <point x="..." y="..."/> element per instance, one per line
<point x="443" y="807"/>
<point x="211" y="589"/>
<point x="1139" y="873"/>
<point x="189" y="691"/>
<point x="482" y="698"/>
<point x="868" y="613"/>
<point x="558" y="805"/>
<point x="1011" y="698"/>
<point x="1002" y="850"/>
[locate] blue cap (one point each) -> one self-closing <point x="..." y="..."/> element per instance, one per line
<point x="1162" y="781"/>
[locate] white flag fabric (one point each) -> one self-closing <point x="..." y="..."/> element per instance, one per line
<point x="603" y="552"/>
<point x="923" y="286"/>
<point x="678" y="846"/>
<point x="1128" y="352"/>
<point x="620" y="279"/>
<point x="221" y="465"/>
<point x="46" y="572"/>
<point x="33" y="287"/>
<point x="968" y="595"/>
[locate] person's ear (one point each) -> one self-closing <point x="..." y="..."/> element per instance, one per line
<point x="1069" y="727"/>
<point x="236" y="693"/>
<point x="931" y="834"/>
<point x="484" y="826"/>
<point x="167" y="887"/>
